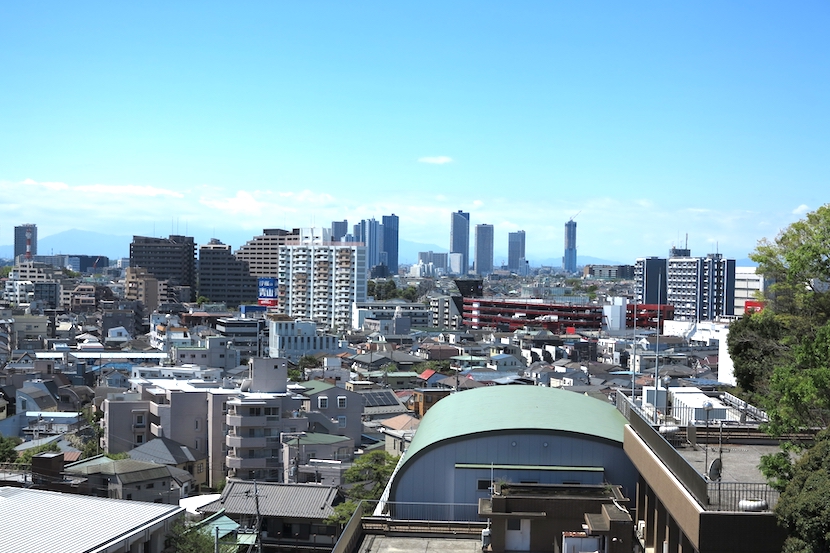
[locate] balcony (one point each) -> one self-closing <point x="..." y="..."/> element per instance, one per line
<point x="247" y="463"/>
<point x="245" y="421"/>
<point x="232" y="440"/>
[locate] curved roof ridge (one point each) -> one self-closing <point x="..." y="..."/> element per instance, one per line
<point x="500" y="408"/>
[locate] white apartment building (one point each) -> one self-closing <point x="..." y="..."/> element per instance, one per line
<point x="748" y="284"/>
<point x="419" y="313"/>
<point x="293" y="339"/>
<point x="319" y="280"/>
<point x="700" y="288"/>
<point x="234" y="427"/>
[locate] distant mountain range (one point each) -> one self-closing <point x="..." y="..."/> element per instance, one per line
<point x="83" y="242"/>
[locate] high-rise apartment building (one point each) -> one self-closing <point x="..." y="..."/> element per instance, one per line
<point x="368" y="232"/>
<point x="699" y="288"/>
<point x="390" y="242"/>
<point x="319" y="280"/>
<point x="25" y="240"/>
<point x="515" y="250"/>
<point x="262" y="252"/>
<point x="172" y="259"/>
<point x="223" y="277"/>
<point x="484" y="250"/>
<point x="460" y="239"/>
<point x="569" y="259"/>
<point x="650" y="280"/>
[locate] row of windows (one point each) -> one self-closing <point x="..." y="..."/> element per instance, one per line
<point x="323" y="402"/>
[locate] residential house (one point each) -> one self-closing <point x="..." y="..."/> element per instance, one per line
<point x="290" y="515"/>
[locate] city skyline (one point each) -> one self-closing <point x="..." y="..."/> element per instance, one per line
<point x="651" y="122"/>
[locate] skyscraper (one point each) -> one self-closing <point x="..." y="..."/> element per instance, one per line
<point x="460" y="238"/>
<point x="25" y="235"/>
<point x="339" y="229"/>
<point x="515" y="249"/>
<point x="569" y="259"/>
<point x="390" y="242"/>
<point x="223" y="277"/>
<point x="484" y="250"/>
<point x="172" y="259"/>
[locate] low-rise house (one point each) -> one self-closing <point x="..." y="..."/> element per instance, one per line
<point x="126" y="479"/>
<point x="301" y="449"/>
<point x="171" y="453"/>
<point x="290" y="515"/>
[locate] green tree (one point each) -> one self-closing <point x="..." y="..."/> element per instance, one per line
<point x="757" y="343"/>
<point x="437" y="366"/>
<point x="187" y="539"/>
<point x="308" y="361"/>
<point x="342" y="512"/>
<point x="25" y="458"/>
<point x="373" y="471"/>
<point x="783" y="356"/>
<point x="7" y="452"/>
<point x="797" y="263"/>
<point x="799" y="391"/>
<point x="803" y="507"/>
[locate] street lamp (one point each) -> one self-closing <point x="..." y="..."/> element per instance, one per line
<point x="707" y="406"/>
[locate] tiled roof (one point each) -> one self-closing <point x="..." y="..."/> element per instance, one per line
<point x="85" y="523"/>
<point x="310" y="501"/>
<point x="164" y="451"/>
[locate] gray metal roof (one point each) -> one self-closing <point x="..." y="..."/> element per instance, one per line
<point x="164" y="451"/>
<point x="310" y="501"/>
<point x="84" y="524"/>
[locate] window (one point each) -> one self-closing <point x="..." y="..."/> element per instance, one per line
<point x="200" y="468"/>
<point x="197" y="423"/>
<point x="254" y="411"/>
<point x="483" y="485"/>
<point x="151" y="485"/>
<point x="139" y="439"/>
<point x="514" y="524"/>
<point x="341" y="421"/>
<point x="322" y="402"/>
<point x="341" y="402"/>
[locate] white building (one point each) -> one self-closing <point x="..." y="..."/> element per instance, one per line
<point x="293" y="339"/>
<point x="748" y="284"/>
<point x="319" y="280"/>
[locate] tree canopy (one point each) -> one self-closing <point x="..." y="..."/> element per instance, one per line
<point x="803" y="507"/>
<point x="781" y="358"/>
<point x="368" y="477"/>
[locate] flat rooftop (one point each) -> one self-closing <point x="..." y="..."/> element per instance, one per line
<point x="420" y="544"/>
<point x="740" y="461"/>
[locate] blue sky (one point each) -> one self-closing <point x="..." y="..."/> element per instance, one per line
<point x="649" y="120"/>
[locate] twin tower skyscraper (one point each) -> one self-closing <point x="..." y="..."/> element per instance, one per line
<point x="459" y="258"/>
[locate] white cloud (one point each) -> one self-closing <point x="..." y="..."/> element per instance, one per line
<point x="436" y="160"/>
<point x="128" y="190"/>
<point x="800" y="210"/>
<point x="55" y="186"/>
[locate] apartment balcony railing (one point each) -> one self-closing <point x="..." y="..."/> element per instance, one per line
<point x="242" y="421"/>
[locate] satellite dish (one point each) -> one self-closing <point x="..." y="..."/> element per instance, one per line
<point x="691" y="434"/>
<point x="714" y="471"/>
